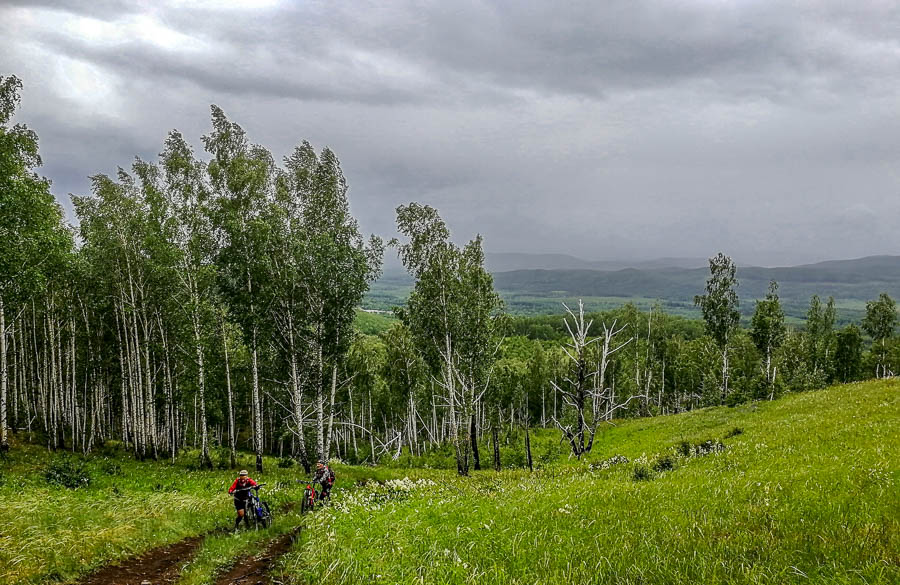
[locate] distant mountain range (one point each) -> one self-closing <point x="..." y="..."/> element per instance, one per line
<point x="538" y="283"/>
<point x="506" y="262"/>
<point x="509" y="261"/>
<point x="863" y="278"/>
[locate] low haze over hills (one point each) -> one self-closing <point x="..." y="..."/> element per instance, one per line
<point x="539" y="283"/>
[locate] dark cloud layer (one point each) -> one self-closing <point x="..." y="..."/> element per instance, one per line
<point x="607" y="130"/>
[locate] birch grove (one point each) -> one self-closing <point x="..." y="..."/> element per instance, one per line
<point x="205" y="304"/>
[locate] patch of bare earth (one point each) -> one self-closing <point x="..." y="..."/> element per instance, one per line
<point x="255" y="569"/>
<point x="159" y="566"/>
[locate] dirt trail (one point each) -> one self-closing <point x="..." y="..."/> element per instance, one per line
<point x="254" y="570"/>
<point x="159" y="566"/>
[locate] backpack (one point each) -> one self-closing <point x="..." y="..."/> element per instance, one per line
<point x="330" y="477"/>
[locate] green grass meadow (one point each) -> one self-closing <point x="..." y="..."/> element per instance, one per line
<point x="806" y="490"/>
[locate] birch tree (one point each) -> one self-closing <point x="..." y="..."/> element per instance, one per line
<point x="30" y="228"/>
<point x="337" y="270"/>
<point x="242" y="178"/>
<point x="720" y="309"/>
<point x="191" y="236"/>
<point x="820" y="336"/>
<point x="768" y="330"/>
<point x="880" y="322"/>
<point x="453" y="314"/>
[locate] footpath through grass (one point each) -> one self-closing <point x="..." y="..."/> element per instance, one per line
<point x="54" y="533"/>
<point x="807" y="492"/>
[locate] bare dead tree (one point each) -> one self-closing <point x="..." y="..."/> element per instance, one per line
<point x="577" y="392"/>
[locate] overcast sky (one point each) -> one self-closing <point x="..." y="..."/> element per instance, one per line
<point x="607" y="130"/>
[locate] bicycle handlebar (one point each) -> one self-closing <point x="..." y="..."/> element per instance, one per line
<point x="249" y="487"/>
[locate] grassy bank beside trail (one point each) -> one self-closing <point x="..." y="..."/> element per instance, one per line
<point x="116" y="507"/>
<point x="806" y="490"/>
<point x="54" y="533"/>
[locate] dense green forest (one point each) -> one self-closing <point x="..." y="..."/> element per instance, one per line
<point x="212" y="301"/>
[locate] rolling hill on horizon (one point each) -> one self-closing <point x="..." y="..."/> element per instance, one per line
<point x="542" y="290"/>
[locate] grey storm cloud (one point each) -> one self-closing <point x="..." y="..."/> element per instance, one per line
<point x="618" y="130"/>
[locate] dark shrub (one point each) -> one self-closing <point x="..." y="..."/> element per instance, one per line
<point x="737" y="398"/>
<point x="286" y="462"/>
<point x="684" y="448"/>
<point x="67" y="472"/>
<point x="110" y="467"/>
<point x="111" y="448"/>
<point x="734" y="432"/>
<point x="641" y="473"/>
<point x="664" y="463"/>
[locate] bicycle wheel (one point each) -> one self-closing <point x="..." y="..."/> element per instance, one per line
<point x="306" y="503"/>
<point x="265" y="515"/>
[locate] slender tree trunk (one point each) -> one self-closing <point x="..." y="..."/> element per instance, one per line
<point x="413" y="429"/>
<point x="15" y="372"/>
<point x="4" y="440"/>
<point x="231" y="433"/>
<point x="205" y="460"/>
<point x="724" y="374"/>
<point x="331" y="411"/>
<point x="320" y="399"/>
<point x="297" y="400"/>
<point x="528" y="449"/>
<point x="473" y="431"/>
<point x="54" y="386"/>
<point x="495" y="439"/>
<point x="352" y="424"/>
<point x="123" y="377"/>
<point x="257" y="411"/>
<point x="372" y="429"/>
<point x="149" y="395"/>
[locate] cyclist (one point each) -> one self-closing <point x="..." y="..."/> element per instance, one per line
<point x="325" y="477"/>
<point x="240" y="489"/>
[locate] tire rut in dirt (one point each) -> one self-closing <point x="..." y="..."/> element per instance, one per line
<point x="159" y="566"/>
<point x="254" y="570"/>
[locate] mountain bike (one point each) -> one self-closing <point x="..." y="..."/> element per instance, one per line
<point x="309" y="498"/>
<point x="257" y="512"/>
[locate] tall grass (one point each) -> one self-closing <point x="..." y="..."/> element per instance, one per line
<point x="53" y="533"/>
<point x="808" y="492"/>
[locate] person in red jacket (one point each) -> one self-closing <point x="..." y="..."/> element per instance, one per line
<point x="240" y="489"/>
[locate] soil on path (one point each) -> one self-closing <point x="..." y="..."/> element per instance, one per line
<point x="254" y="570"/>
<point x="159" y="566"/>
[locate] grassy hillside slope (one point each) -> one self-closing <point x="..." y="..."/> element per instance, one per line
<point x="809" y="491"/>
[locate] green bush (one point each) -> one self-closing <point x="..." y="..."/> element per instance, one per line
<point x="641" y="473"/>
<point x="664" y="463"/>
<point x="68" y="473"/>
<point x="111" y="448"/>
<point x="110" y="467"/>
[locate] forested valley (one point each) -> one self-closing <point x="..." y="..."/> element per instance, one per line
<point x="207" y="302"/>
